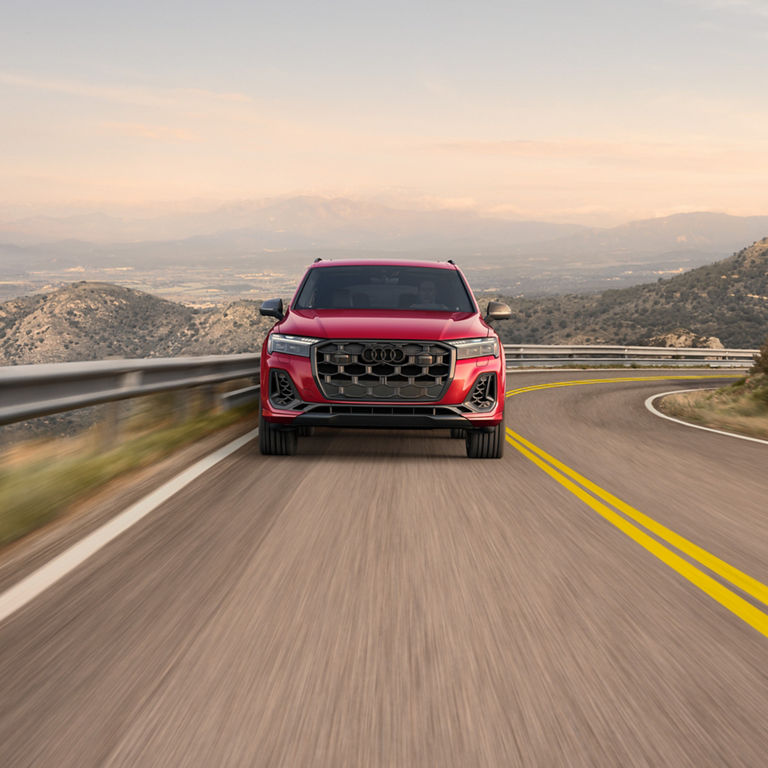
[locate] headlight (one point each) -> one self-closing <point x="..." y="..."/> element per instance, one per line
<point x="290" y="345"/>
<point x="466" y="348"/>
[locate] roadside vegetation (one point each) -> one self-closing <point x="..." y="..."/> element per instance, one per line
<point x="741" y="407"/>
<point x="42" y="479"/>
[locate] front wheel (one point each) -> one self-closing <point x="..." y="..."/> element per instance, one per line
<point x="486" y="445"/>
<point x="274" y="441"/>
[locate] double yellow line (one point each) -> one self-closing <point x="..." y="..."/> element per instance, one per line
<point x="608" y="506"/>
<point x="579" y="382"/>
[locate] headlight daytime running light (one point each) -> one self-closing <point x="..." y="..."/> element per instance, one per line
<point x="290" y="345"/>
<point x="468" y="348"/>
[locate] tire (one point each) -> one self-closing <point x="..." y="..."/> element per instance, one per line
<point x="457" y="433"/>
<point x="274" y="441"/>
<point x="306" y="431"/>
<point x="486" y="445"/>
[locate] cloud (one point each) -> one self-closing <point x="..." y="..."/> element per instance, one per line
<point x="532" y="148"/>
<point x="751" y="7"/>
<point x="211" y="112"/>
<point x="143" y="131"/>
<point x="692" y="155"/>
<point x="757" y="7"/>
<point x="139" y="96"/>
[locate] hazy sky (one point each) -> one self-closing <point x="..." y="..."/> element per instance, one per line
<point x="594" y="111"/>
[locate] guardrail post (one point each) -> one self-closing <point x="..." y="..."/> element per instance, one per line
<point x="108" y="427"/>
<point x="182" y="405"/>
<point x="5" y="442"/>
<point x="207" y="399"/>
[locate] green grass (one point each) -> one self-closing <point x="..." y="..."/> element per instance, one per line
<point x="39" y="489"/>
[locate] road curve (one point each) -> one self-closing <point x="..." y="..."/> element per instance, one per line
<point x="380" y="600"/>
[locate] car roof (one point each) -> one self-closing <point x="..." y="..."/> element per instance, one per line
<point x="382" y="263"/>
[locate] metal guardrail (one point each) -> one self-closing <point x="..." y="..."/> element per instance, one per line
<point x="548" y="355"/>
<point x="29" y="391"/>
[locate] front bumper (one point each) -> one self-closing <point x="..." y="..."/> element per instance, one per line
<point x="383" y="417"/>
<point x="455" y="410"/>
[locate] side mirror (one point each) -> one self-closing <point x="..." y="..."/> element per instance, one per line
<point x="272" y="308"/>
<point x="497" y="311"/>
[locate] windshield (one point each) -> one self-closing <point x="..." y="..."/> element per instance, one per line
<point x="384" y="287"/>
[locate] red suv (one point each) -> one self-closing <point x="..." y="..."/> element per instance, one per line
<point x="383" y="344"/>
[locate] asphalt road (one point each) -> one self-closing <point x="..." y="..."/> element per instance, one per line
<point x="380" y="600"/>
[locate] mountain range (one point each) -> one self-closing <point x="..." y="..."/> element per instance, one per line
<point x="298" y="222"/>
<point x="722" y="303"/>
<point x="262" y="231"/>
<point x="725" y="302"/>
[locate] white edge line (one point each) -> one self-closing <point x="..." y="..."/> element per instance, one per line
<point x="649" y="406"/>
<point x="38" y="581"/>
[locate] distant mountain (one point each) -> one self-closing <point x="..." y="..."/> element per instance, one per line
<point x="284" y="235"/>
<point x="727" y="300"/>
<point x="311" y="221"/>
<point x="704" y="233"/>
<point x="95" y="321"/>
<point x="297" y="222"/>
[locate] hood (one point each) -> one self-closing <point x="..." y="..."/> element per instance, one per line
<point x="373" y="324"/>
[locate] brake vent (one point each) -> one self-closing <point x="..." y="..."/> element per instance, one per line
<point x="282" y="393"/>
<point x="483" y="394"/>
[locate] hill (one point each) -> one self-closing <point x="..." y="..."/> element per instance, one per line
<point x="727" y="300"/>
<point x="95" y="321"/>
<point x="723" y="302"/>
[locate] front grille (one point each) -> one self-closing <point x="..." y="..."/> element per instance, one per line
<point x="376" y="370"/>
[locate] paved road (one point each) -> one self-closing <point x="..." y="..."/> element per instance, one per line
<point x="380" y="600"/>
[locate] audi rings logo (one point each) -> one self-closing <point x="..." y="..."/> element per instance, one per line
<point x="384" y="354"/>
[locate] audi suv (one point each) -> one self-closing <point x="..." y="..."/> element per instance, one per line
<point x="383" y="344"/>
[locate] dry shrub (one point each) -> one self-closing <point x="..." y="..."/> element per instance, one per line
<point x="761" y="359"/>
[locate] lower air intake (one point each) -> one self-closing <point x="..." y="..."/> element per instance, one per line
<point x="282" y="393"/>
<point x="483" y="395"/>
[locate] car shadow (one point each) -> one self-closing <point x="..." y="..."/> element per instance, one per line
<point x="387" y="444"/>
